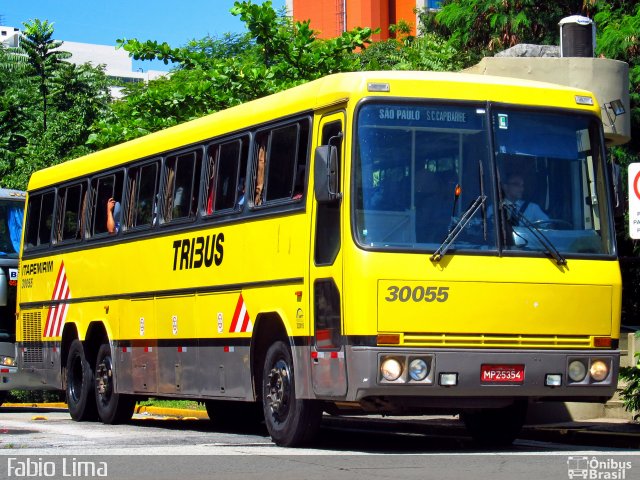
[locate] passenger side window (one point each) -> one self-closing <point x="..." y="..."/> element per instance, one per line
<point x="280" y="163"/>
<point x="70" y="224"/>
<point x="142" y="185"/>
<point x="39" y="220"/>
<point x="181" y="185"/>
<point x="104" y="188"/>
<point x="227" y="163"/>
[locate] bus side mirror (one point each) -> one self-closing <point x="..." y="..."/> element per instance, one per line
<point x="326" y="174"/>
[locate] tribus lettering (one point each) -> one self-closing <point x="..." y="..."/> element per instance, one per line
<point x="198" y="251"/>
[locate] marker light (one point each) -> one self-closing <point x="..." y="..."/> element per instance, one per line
<point x="584" y="100"/>
<point x="599" y="370"/>
<point x="553" y="380"/>
<point x="418" y="369"/>
<point x="577" y="371"/>
<point x="391" y="369"/>
<point x="378" y="87"/>
<point x="448" y="379"/>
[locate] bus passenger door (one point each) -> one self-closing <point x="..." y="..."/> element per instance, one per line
<point x="328" y="362"/>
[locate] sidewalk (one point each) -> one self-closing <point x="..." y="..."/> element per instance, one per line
<point x="596" y="432"/>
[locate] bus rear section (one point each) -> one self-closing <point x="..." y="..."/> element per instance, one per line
<point x="11" y="215"/>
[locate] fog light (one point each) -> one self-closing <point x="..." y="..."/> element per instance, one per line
<point x="553" y="380"/>
<point x="448" y="379"/>
<point x="418" y="369"/>
<point x="599" y="370"/>
<point x="391" y="369"/>
<point x="577" y="371"/>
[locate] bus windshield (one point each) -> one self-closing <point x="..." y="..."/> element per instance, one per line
<point x="540" y="175"/>
<point x="11" y="213"/>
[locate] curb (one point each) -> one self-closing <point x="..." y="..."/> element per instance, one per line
<point x="36" y="405"/>
<point x="172" y="413"/>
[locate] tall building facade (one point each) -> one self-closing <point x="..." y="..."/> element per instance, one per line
<point x="332" y="17"/>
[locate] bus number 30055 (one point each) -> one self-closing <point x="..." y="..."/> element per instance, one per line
<point x="417" y="294"/>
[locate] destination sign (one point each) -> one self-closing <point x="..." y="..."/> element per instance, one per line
<point x="422" y="116"/>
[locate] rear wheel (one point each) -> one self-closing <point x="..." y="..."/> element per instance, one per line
<point x="496" y="427"/>
<point x="79" y="379"/>
<point x="290" y="421"/>
<point x="112" y="407"/>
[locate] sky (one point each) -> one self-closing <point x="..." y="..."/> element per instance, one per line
<point x="103" y="22"/>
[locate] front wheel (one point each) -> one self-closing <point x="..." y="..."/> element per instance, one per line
<point x="79" y="379"/>
<point x="291" y="422"/>
<point x="496" y="427"/>
<point x="112" y="407"/>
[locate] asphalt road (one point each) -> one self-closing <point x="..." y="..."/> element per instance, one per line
<point x="49" y="442"/>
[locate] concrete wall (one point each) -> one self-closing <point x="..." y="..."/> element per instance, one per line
<point x="607" y="79"/>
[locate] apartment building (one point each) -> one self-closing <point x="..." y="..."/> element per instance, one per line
<point x="332" y="17"/>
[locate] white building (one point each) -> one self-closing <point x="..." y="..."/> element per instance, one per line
<point x="9" y="36"/>
<point x="118" y="64"/>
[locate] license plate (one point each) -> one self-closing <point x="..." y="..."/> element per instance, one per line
<point x="502" y="374"/>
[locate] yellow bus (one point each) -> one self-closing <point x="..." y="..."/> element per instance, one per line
<point x="378" y="242"/>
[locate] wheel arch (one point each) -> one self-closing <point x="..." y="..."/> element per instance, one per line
<point x="95" y="337"/>
<point x="268" y="328"/>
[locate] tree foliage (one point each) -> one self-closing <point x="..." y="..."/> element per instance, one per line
<point x="46" y="104"/>
<point x="276" y="53"/>
<point x="408" y="52"/>
<point x="489" y="26"/>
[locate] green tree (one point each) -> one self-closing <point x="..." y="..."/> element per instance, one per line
<point x="484" y="27"/>
<point x="46" y="105"/>
<point x="42" y="59"/>
<point x="212" y="74"/>
<point x="404" y="51"/>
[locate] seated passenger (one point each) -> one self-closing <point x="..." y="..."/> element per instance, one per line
<point x="113" y="216"/>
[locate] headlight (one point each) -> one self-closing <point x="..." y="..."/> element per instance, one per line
<point x="418" y="369"/>
<point x="7" y="361"/>
<point x="599" y="370"/>
<point x="391" y="369"/>
<point x="577" y="371"/>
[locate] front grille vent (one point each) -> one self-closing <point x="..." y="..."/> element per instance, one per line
<point x="32" y="351"/>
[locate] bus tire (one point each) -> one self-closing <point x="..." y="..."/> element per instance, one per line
<point x="3" y="396"/>
<point x="290" y="421"/>
<point x="496" y="427"/>
<point x="79" y="380"/>
<point x="112" y="407"/>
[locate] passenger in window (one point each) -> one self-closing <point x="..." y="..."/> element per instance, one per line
<point x="260" y="169"/>
<point x="211" y="191"/>
<point x="113" y="216"/>
<point x="513" y="190"/>
<point x="241" y="192"/>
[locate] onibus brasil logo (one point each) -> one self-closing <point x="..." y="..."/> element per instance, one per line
<point x="597" y="469"/>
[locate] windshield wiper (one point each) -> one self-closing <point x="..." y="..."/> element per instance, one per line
<point x="544" y="241"/>
<point x="458" y="227"/>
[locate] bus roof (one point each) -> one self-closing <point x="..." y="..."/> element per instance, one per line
<point x="324" y="92"/>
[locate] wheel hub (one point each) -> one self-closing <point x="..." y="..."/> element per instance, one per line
<point x="279" y="389"/>
<point x="104" y="376"/>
